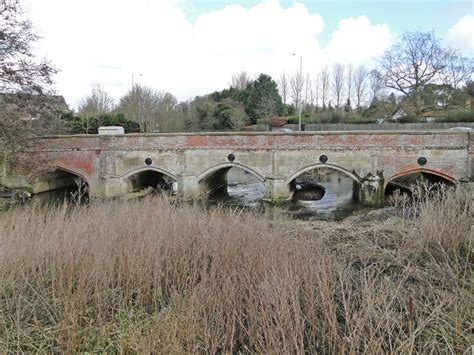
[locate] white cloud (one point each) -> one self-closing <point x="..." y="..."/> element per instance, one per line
<point x="356" y="40"/>
<point x="461" y="35"/>
<point x="106" y="41"/>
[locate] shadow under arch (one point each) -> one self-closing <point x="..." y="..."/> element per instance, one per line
<point x="150" y="176"/>
<point x="38" y="176"/>
<point x="320" y="166"/>
<point x="404" y="180"/>
<point x="421" y="170"/>
<point x="213" y="182"/>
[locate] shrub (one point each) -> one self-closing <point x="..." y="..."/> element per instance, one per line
<point x="409" y="118"/>
<point x="459" y="116"/>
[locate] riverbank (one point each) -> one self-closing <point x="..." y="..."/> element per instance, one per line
<point x="155" y="276"/>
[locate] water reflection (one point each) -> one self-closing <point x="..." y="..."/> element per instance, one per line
<point x="337" y="202"/>
<point x="247" y="191"/>
<point x="243" y="189"/>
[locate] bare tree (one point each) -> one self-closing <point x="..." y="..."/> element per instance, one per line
<point x="167" y="104"/>
<point x="297" y="86"/>
<point x="266" y="108"/>
<point x="93" y="106"/>
<point x="324" y="77"/>
<point x="237" y="116"/>
<point x="417" y="60"/>
<point x="240" y="80"/>
<point x="142" y="105"/>
<point x="96" y="103"/>
<point x="316" y="89"/>
<point x="360" y="84"/>
<point x="309" y="93"/>
<point x="377" y="84"/>
<point x="350" y="80"/>
<point x="338" y="71"/>
<point x="283" y="86"/>
<point x="458" y="71"/>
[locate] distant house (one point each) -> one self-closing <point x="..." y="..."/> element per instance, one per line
<point x="32" y="107"/>
<point x="399" y="113"/>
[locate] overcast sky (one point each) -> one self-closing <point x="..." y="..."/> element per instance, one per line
<point x="192" y="47"/>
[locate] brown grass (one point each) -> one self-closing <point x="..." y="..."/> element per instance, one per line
<point x="151" y="276"/>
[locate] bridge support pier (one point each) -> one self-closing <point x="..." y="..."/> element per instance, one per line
<point x="188" y="187"/>
<point x="112" y="187"/>
<point x="276" y="188"/>
<point x="370" y="192"/>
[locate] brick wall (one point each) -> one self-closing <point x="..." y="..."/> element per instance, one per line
<point x="396" y="152"/>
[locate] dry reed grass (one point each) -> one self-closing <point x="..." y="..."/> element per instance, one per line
<point x="152" y="276"/>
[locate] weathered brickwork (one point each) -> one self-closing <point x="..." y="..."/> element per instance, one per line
<point x="106" y="162"/>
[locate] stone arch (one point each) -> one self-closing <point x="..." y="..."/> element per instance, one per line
<point x="32" y="178"/>
<point x="320" y="165"/>
<point x="317" y="188"/>
<point x="403" y="179"/>
<point x="149" y="168"/>
<point x="214" y="181"/>
<point x="405" y="172"/>
<point x="58" y="178"/>
<point x="215" y="168"/>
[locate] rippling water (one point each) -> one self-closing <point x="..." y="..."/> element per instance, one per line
<point x="337" y="202"/>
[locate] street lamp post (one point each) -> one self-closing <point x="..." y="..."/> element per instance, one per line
<point x="300" y="84"/>
<point x="133" y="82"/>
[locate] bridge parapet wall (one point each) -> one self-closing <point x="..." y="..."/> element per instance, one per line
<point x="260" y="141"/>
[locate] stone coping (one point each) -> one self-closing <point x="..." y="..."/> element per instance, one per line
<point x="274" y="133"/>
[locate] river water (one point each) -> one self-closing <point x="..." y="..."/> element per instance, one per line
<point x="246" y="191"/>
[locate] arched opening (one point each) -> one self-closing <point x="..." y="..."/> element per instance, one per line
<point x="404" y="183"/>
<point x="324" y="190"/>
<point x="233" y="184"/>
<point x="60" y="185"/>
<point x="150" y="181"/>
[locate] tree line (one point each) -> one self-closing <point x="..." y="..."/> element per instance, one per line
<point x="417" y="73"/>
<point x="147" y="110"/>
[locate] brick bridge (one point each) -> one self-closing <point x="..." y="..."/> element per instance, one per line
<point x="199" y="162"/>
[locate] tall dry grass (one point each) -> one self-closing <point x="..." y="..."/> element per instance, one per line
<point x="151" y="276"/>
